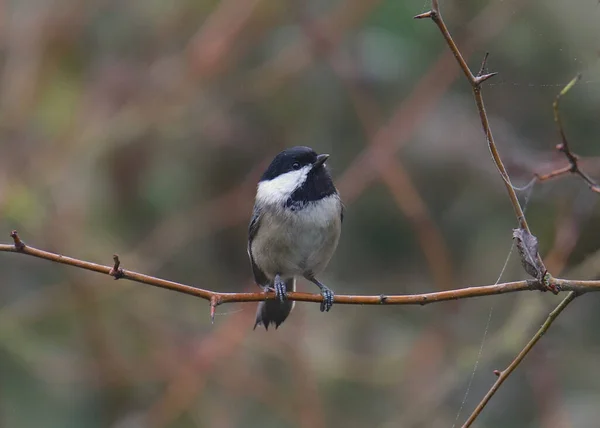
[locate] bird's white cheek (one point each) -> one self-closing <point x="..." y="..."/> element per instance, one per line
<point x="279" y="189"/>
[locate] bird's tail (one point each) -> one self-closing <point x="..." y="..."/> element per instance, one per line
<point x="275" y="311"/>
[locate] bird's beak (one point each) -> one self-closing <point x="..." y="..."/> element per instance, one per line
<point x="320" y="160"/>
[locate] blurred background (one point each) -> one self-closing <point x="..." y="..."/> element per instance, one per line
<point x="141" y="128"/>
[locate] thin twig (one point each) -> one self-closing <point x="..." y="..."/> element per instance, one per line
<point x="218" y="298"/>
<point x="553" y="174"/>
<point x="565" y="148"/>
<point x="564" y="145"/>
<point x="503" y="375"/>
<point x="476" y="81"/>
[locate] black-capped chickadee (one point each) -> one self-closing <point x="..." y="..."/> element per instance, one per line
<point x="295" y="228"/>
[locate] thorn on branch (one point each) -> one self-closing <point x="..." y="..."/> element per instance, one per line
<point x="480" y="79"/>
<point x="117" y="272"/>
<point x="424" y="15"/>
<point x="19" y="245"/>
<point x="481" y="75"/>
<point x="213" y="305"/>
<point x="497" y="372"/>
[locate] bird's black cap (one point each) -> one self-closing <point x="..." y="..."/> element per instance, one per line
<point x="289" y="160"/>
<point x="318" y="183"/>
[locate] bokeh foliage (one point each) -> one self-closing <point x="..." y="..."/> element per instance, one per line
<point x="141" y="128"/>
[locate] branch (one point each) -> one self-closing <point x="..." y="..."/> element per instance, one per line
<point x="526" y="242"/>
<point x="217" y="298"/>
<point x="476" y="81"/>
<point x="563" y="146"/>
<point x="503" y="375"/>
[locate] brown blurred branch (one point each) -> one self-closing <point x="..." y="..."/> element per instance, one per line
<point x="212" y="47"/>
<point x="217" y="298"/>
<point x="191" y="373"/>
<point x="391" y="171"/>
<point x="405" y="119"/>
<point x="296" y="57"/>
<point x="412" y="112"/>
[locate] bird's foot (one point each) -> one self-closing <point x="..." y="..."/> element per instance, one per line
<point x="327" y="302"/>
<point x="280" y="289"/>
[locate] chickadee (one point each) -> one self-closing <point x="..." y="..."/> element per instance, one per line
<point x="295" y="228"/>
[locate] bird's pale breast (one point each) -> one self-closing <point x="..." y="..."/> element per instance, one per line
<point x="300" y="241"/>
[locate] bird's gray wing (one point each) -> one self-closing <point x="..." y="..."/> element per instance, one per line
<point x="259" y="277"/>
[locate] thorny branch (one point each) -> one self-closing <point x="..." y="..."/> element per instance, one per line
<point x="476" y="81"/>
<point x="533" y="262"/>
<point x="217" y="298"/>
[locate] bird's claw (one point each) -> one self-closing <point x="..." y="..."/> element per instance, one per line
<point x="327" y="301"/>
<point x="280" y="289"/>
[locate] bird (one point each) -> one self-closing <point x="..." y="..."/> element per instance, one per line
<point x="294" y="230"/>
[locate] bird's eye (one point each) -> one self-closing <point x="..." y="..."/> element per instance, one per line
<point x="296" y="165"/>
